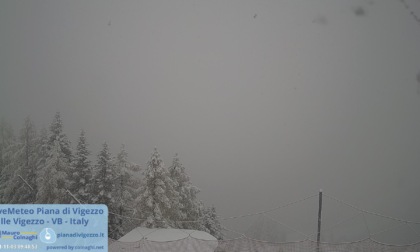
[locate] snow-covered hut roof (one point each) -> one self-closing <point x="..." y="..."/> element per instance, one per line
<point x="165" y="234"/>
<point x="152" y="239"/>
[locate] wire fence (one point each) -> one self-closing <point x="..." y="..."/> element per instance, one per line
<point x="244" y="244"/>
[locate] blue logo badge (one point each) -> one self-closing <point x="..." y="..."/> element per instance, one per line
<point x="48" y="235"/>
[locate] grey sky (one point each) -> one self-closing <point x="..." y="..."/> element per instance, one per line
<point x="265" y="101"/>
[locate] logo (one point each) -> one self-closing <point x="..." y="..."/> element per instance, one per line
<point x="48" y="235"/>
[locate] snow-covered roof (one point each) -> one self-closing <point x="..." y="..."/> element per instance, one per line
<point x="165" y="240"/>
<point x="163" y="235"/>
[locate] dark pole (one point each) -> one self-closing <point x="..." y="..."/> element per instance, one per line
<point x="318" y="238"/>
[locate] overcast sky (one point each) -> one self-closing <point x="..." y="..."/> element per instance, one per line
<point x="266" y="102"/>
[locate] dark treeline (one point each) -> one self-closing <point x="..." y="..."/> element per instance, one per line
<point x="41" y="167"/>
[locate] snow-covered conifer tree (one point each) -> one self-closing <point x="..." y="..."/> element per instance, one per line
<point x="189" y="204"/>
<point x="210" y="222"/>
<point x="81" y="174"/>
<point x="6" y="138"/>
<point x="120" y="194"/>
<point x="8" y="148"/>
<point x="52" y="179"/>
<point x="42" y="151"/>
<point x="125" y="191"/>
<point x="21" y="187"/>
<point x="57" y="134"/>
<point x="158" y="201"/>
<point x="104" y="179"/>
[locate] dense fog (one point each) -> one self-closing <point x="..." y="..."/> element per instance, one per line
<point x="266" y="102"/>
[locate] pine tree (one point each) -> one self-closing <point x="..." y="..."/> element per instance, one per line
<point x="58" y="158"/>
<point x="81" y="175"/>
<point x="42" y="150"/>
<point x="126" y="186"/>
<point x="21" y="187"/>
<point x="52" y="180"/>
<point x="6" y="138"/>
<point x="57" y="134"/>
<point x="127" y="189"/>
<point x="104" y="187"/>
<point x="122" y="196"/>
<point x="189" y="204"/>
<point x="210" y="222"/>
<point x="158" y="201"/>
<point x="121" y="168"/>
<point x="103" y="177"/>
<point x="7" y="157"/>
